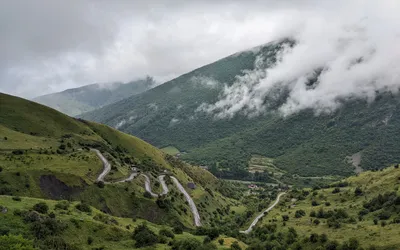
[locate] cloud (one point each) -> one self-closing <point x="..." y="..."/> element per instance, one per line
<point x="352" y="52"/>
<point x="51" y="45"/>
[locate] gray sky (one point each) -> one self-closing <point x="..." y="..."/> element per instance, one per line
<point x="51" y="45"/>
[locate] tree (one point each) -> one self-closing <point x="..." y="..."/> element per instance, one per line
<point x="144" y="236"/>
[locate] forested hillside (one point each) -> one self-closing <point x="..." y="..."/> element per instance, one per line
<point x="303" y="143"/>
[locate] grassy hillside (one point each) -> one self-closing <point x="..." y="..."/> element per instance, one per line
<point x="79" y="100"/>
<point x="45" y="154"/>
<point x="72" y="228"/>
<point x="365" y="208"/>
<point x="302" y="144"/>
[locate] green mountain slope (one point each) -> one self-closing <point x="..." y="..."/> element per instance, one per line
<point x="303" y="143"/>
<point x="79" y="100"/>
<point x="46" y="154"/>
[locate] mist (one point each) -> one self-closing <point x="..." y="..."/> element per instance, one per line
<point x="353" y="54"/>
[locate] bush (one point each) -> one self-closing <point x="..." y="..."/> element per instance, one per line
<point x="314" y="203"/>
<point x="327" y="203"/>
<point x="147" y="195"/>
<point x="41" y="207"/>
<point x="47" y="227"/>
<point x="358" y="191"/>
<point x="14" y="242"/>
<point x="1" y="169"/>
<point x="186" y="244"/>
<point x="177" y="229"/>
<point x="285" y="217"/>
<point x="89" y="240"/>
<point x="166" y="232"/>
<point x="16" y="198"/>
<point x="63" y="205"/>
<point x="221" y="241"/>
<point x="336" y="190"/>
<point x="144" y="236"/>
<point x="206" y="240"/>
<point x="235" y="246"/>
<point x="18" y="152"/>
<point x="351" y="244"/>
<point x="83" y="207"/>
<point x="316" y="222"/>
<point x="100" y="184"/>
<point x="299" y="213"/>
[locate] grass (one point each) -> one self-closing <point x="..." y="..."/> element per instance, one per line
<point x="48" y="144"/>
<point x="171" y="150"/>
<point x="111" y="236"/>
<point x="372" y="184"/>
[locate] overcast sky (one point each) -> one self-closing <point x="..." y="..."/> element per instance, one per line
<point x="52" y="45"/>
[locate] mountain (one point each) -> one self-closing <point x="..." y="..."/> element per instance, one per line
<point x="79" y="100"/>
<point x="359" y="135"/>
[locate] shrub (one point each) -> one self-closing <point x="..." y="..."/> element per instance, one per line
<point x="323" y="238"/>
<point x="316" y="222"/>
<point x="314" y="238"/>
<point x="41" y="207"/>
<point x="15" y="242"/>
<point x="47" y="227"/>
<point x="299" y="213"/>
<point x="358" y="191"/>
<point x="83" y="207"/>
<point x="285" y="217"/>
<point x="63" y="205"/>
<point x="177" y="229"/>
<point x="351" y="244"/>
<point x="18" y="152"/>
<point x="16" y="198"/>
<point x="336" y="190"/>
<point x="235" y="246"/>
<point x="147" y="195"/>
<point x="166" y="232"/>
<point x="221" y="241"/>
<point x="144" y="236"/>
<point x="89" y="240"/>
<point x="1" y="169"/>
<point x="100" y="184"/>
<point x="206" y="240"/>
<point x="186" y="244"/>
<point x="314" y="203"/>
<point x="327" y="203"/>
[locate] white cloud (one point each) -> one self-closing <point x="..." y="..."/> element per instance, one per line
<point x="358" y="48"/>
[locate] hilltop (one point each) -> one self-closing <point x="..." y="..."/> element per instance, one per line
<point x="83" y="99"/>
<point x="359" y="135"/>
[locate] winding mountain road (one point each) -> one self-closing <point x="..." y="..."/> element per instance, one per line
<point x="255" y="221"/>
<point x="147" y="186"/>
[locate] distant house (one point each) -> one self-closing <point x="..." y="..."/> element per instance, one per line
<point x="191" y="185"/>
<point x="252" y="186"/>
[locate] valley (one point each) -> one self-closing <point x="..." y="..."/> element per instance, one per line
<point x="98" y="188"/>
